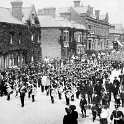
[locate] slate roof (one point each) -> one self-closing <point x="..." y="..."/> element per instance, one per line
<point x="80" y="10"/>
<point x="64" y="22"/>
<point x="6" y="16"/>
<point x="26" y="11"/>
<point x="63" y="10"/>
<point x="78" y="26"/>
<point x="49" y="21"/>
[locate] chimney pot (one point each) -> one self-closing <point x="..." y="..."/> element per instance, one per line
<point x="97" y="14"/>
<point x="90" y="10"/>
<point x="48" y="11"/>
<point x="77" y="3"/>
<point x="107" y="17"/>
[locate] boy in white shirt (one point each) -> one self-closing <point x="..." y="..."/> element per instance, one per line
<point x="104" y="115"/>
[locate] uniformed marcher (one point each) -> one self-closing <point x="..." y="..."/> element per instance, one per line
<point x="52" y="94"/>
<point x="67" y="97"/>
<point x="60" y="90"/>
<point x="117" y="115"/>
<point x="83" y="103"/>
<point x="34" y="90"/>
<point x="9" y="91"/>
<point x="22" y="94"/>
<point x="94" y="111"/>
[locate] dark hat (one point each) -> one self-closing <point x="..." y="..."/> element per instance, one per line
<point x="72" y="107"/>
<point x="116" y="105"/>
<point x="68" y="110"/>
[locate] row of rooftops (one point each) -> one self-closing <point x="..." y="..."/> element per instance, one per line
<point x="7" y="17"/>
<point x="51" y="17"/>
<point x="45" y="21"/>
<point x="49" y="21"/>
<point x="79" y="8"/>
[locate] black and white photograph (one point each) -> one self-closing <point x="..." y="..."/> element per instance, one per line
<point x="61" y="62"/>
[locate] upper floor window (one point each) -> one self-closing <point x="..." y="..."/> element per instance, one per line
<point x="66" y="35"/>
<point x="19" y="41"/>
<point x="20" y="38"/>
<point x="32" y="37"/>
<point x="78" y="37"/>
<point x="38" y="38"/>
<point x="89" y="26"/>
<point x="89" y="45"/>
<point x="11" y="37"/>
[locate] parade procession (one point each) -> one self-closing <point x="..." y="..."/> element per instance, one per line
<point x="61" y="65"/>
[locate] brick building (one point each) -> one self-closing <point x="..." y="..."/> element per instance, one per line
<point x="59" y="36"/>
<point x="19" y="35"/>
<point x="97" y="24"/>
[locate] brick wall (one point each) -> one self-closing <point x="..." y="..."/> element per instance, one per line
<point x="49" y="42"/>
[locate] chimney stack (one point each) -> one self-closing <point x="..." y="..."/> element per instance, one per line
<point x="77" y="3"/>
<point x="17" y="9"/>
<point x="90" y="10"/>
<point x="107" y="17"/>
<point x="97" y="14"/>
<point x="47" y="11"/>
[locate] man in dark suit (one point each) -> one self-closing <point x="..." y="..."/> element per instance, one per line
<point x="22" y="94"/>
<point x="117" y="115"/>
<point x="74" y="114"/>
<point x="67" y="118"/>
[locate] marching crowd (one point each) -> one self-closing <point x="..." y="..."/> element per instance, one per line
<point x="87" y="80"/>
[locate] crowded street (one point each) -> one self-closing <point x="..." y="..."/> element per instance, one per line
<point x="61" y="62"/>
<point x="43" y="110"/>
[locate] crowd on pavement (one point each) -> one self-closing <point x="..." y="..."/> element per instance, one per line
<point x="87" y="80"/>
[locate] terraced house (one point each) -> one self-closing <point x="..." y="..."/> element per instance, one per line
<point x="19" y="35"/>
<point x="96" y="23"/>
<point x="59" y="35"/>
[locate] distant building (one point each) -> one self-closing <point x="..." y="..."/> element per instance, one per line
<point x="97" y="24"/>
<point x="60" y="37"/>
<point x="116" y="36"/>
<point x="19" y="35"/>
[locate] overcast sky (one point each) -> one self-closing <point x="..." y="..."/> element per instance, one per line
<point x="115" y="8"/>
